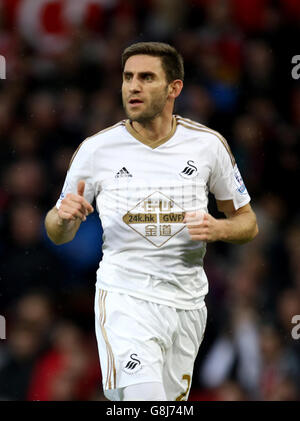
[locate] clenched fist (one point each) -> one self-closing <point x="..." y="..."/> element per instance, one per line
<point x="202" y="226"/>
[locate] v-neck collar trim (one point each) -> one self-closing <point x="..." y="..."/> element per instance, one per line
<point x="152" y="144"/>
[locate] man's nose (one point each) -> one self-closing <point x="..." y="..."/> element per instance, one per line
<point x="135" y="85"/>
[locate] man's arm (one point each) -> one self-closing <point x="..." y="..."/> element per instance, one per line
<point x="62" y="224"/>
<point x="239" y="227"/>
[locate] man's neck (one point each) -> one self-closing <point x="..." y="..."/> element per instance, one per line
<point x="156" y="129"/>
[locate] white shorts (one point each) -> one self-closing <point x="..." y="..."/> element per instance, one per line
<point x="141" y="341"/>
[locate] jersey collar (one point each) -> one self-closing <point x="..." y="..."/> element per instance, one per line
<point x="152" y="144"/>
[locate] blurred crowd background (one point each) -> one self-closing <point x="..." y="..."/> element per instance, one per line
<point x="62" y="84"/>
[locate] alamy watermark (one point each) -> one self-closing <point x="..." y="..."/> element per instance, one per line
<point x="2" y="327"/>
<point x="296" y="69"/>
<point x="2" y="67"/>
<point x="296" y="329"/>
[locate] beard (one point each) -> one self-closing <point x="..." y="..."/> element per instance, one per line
<point x="154" y="109"/>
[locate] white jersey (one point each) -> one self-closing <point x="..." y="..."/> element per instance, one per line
<point x="142" y="190"/>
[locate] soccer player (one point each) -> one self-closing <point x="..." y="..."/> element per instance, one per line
<point x="150" y="176"/>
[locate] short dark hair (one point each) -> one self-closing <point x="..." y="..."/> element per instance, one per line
<point x="172" y="61"/>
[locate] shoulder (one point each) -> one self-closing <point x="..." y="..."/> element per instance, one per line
<point x="214" y="138"/>
<point x="91" y="143"/>
<point x="191" y="125"/>
<point x="102" y="135"/>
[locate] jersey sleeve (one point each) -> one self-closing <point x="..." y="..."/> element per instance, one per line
<point x="80" y="168"/>
<point x="226" y="182"/>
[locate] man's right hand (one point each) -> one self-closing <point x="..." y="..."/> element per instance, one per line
<point x="74" y="206"/>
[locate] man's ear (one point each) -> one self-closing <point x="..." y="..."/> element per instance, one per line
<point x="175" y="88"/>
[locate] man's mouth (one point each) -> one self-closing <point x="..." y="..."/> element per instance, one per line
<point x="135" y="101"/>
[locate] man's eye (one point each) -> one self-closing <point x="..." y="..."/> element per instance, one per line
<point x="148" y="77"/>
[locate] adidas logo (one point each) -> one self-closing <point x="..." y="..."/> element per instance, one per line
<point x="123" y="173"/>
